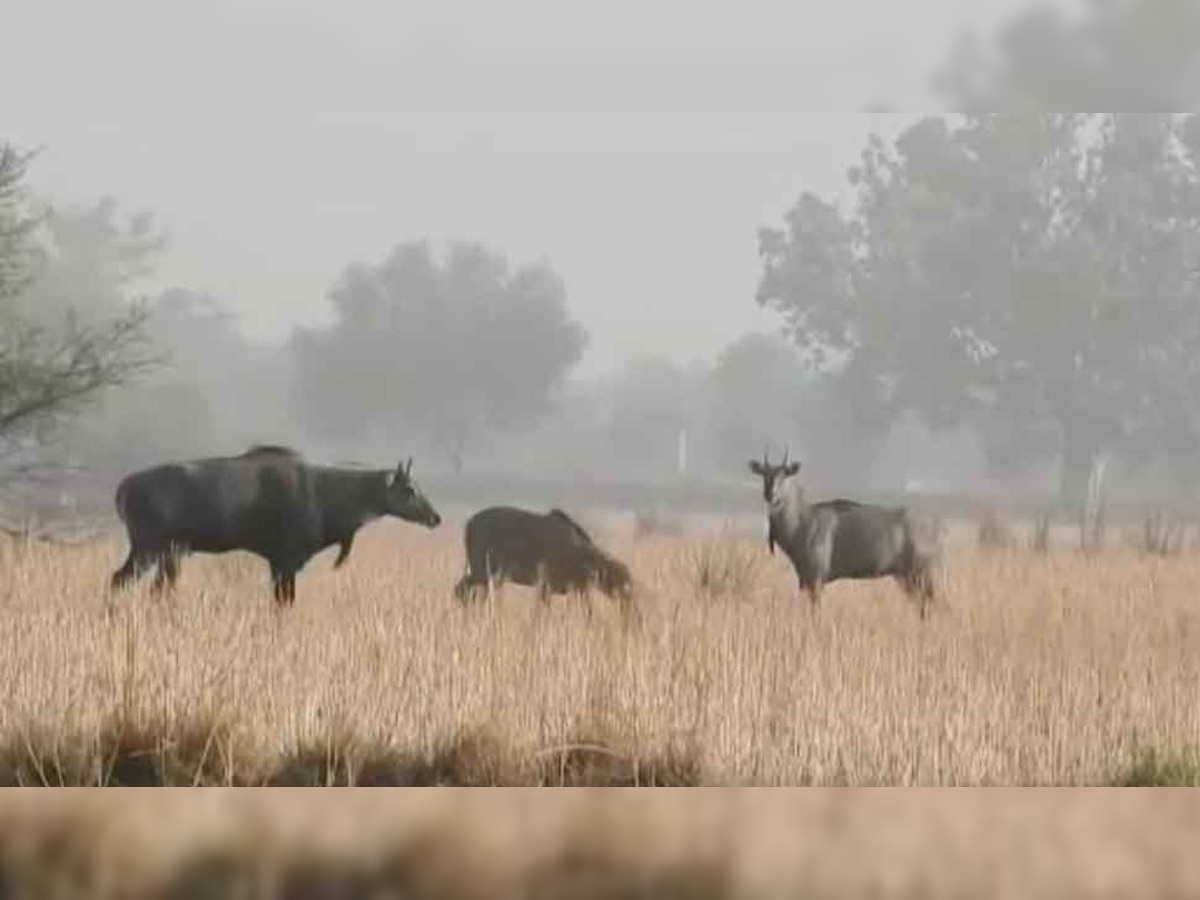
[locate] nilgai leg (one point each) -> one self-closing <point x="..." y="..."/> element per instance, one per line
<point x="541" y="579"/>
<point x="584" y="596"/>
<point x="814" y="589"/>
<point x="135" y="564"/>
<point x="168" y="571"/>
<point x="919" y="586"/>
<point x="468" y="588"/>
<point x="283" y="582"/>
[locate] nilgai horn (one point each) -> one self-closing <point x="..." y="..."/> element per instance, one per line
<point x="267" y="501"/>
<point x="842" y="539"/>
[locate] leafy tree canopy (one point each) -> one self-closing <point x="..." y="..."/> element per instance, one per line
<point x="1134" y="55"/>
<point x="1032" y="271"/>
<point x="758" y="389"/>
<point x="441" y="347"/>
<point x="1037" y="271"/>
<point x="652" y="401"/>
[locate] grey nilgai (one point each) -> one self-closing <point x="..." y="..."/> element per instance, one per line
<point x="842" y="539"/>
<point x="548" y="550"/>
<point x="268" y="501"/>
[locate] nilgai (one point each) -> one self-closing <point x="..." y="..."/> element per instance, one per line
<point x="842" y="539"/>
<point x="548" y="550"/>
<point x="267" y="501"/>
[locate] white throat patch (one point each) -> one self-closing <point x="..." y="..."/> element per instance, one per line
<point x="781" y="494"/>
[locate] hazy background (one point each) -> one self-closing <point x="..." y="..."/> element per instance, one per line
<point x="612" y="191"/>
<point x="279" y="140"/>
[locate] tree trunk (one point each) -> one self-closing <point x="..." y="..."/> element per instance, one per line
<point x="457" y="450"/>
<point x="450" y="438"/>
<point x="1094" y="519"/>
<point x="1080" y="454"/>
<point x="1084" y="459"/>
<point x="1082" y="484"/>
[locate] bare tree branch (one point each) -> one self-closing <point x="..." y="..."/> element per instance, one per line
<point x="41" y="375"/>
<point x="17" y="250"/>
<point x="48" y="375"/>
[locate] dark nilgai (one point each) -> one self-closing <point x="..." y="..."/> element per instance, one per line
<point x="548" y="550"/>
<point x="267" y="501"/>
<point x="841" y="539"/>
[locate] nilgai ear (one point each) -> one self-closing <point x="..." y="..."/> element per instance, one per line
<point x="792" y="468"/>
<point x="756" y="467"/>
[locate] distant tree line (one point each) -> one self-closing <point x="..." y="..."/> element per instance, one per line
<point x="458" y="354"/>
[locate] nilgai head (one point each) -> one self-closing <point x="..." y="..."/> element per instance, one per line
<point x="773" y="476"/>
<point x="614" y="578"/>
<point x="403" y="499"/>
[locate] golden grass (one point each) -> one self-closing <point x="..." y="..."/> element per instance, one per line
<point x="1042" y="670"/>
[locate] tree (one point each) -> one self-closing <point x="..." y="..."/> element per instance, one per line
<point x="764" y="394"/>
<point x="652" y="401"/>
<point x="1137" y="55"/>
<point x="215" y="391"/>
<point x="90" y="260"/>
<point x="1123" y="54"/>
<point x="1034" y="271"/>
<point x="757" y="399"/>
<point x="445" y="348"/>
<point x="50" y="371"/>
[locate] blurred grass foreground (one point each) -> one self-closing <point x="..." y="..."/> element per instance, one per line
<point x="599" y="844"/>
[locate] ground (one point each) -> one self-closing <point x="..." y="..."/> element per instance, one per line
<point x="1060" y="669"/>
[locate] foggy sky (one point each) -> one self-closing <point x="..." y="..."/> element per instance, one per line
<point x="634" y="146"/>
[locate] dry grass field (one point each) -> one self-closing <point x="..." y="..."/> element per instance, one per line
<point x="1038" y="670"/>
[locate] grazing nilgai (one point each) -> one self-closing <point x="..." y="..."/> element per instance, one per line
<point x="547" y="550"/>
<point x="842" y="539"/>
<point x="267" y="501"/>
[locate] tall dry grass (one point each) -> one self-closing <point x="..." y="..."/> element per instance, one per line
<point x="1057" y="669"/>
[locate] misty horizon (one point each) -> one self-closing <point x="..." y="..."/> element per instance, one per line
<point x="271" y="171"/>
<point x="643" y="243"/>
